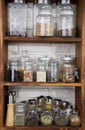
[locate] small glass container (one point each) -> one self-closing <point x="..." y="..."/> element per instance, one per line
<point x="14" y="71"/>
<point x="45" y="21"/>
<point x="48" y="103"/>
<point x="64" y="105"/>
<point x="32" y="118"/>
<point x="68" y="69"/>
<point x="41" y="72"/>
<point x="74" y="119"/>
<point x="46" y="118"/>
<point x="67" y="20"/>
<point x="41" y="102"/>
<point x="28" y="71"/>
<point x="53" y="71"/>
<point x="20" y="114"/>
<point x="31" y="104"/>
<point x="61" y="119"/>
<point x="57" y="103"/>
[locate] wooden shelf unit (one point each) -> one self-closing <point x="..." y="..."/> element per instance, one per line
<point x="80" y="56"/>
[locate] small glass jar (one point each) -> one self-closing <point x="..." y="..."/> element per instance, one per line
<point x="61" y="119"/>
<point x="48" y="103"/>
<point x="74" y="119"/>
<point x="46" y="118"/>
<point x="45" y="21"/>
<point x="67" y="20"/>
<point x="68" y="69"/>
<point x="20" y="114"/>
<point x="31" y="104"/>
<point x="41" y="102"/>
<point x="28" y="71"/>
<point x="32" y="118"/>
<point x="41" y="72"/>
<point x="14" y="71"/>
<point x="53" y="71"/>
<point x="64" y="105"/>
<point x="57" y="103"/>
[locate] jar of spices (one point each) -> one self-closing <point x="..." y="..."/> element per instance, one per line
<point x="48" y="103"/>
<point x="64" y="105"/>
<point x="57" y="103"/>
<point x="61" y="119"/>
<point x="74" y="118"/>
<point x="53" y="71"/>
<point x="31" y="104"/>
<point x="20" y="114"/>
<point x="41" y="102"/>
<point x="67" y="19"/>
<point x="45" y="22"/>
<point x="68" y="69"/>
<point x="46" y="118"/>
<point x="28" y="71"/>
<point x="32" y="118"/>
<point x="41" y="72"/>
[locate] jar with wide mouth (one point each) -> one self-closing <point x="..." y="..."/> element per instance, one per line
<point x="67" y="69"/>
<point x="53" y="71"/>
<point x="48" y="103"/>
<point x="45" y="21"/>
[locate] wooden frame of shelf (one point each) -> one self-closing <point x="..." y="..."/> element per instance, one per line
<point x="42" y="39"/>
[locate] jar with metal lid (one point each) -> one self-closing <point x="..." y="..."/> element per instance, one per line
<point x="41" y="102"/>
<point x="20" y="114"/>
<point x="41" y="72"/>
<point x="64" y="105"/>
<point x="61" y="119"/>
<point x="31" y="104"/>
<point x="53" y="71"/>
<point x="46" y="118"/>
<point x="67" y="20"/>
<point x="28" y="71"/>
<point x="32" y="118"/>
<point x="48" y="103"/>
<point x="74" y="118"/>
<point x="57" y="103"/>
<point x="68" y="69"/>
<point x="45" y="21"/>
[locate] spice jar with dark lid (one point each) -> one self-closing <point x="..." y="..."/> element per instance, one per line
<point x="74" y="118"/>
<point x="48" y="103"/>
<point x="57" y="102"/>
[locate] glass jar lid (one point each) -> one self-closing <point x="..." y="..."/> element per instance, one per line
<point x="45" y="10"/>
<point x="67" y="59"/>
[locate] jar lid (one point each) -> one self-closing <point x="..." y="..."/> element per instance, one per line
<point x="49" y="98"/>
<point x="45" y="9"/>
<point x="67" y="58"/>
<point x="32" y="101"/>
<point x="64" y="2"/>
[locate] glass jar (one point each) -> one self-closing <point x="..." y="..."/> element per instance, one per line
<point x="41" y="102"/>
<point x="64" y="105"/>
<point x="32" y="118"/>
<point x="46" y="118"/>
<point x="14" y="71"/>
<point x="20" y="114"/>
<point x="68" y="69"/>
<point x="17" y="18"/>
<point x="28" y="71"/>
<point x="45" y="21"/>
<point x="41" y="72"/>
<point x="61" y="119"/>
<point x="53" y="71"/>
<point x="74" y="119"/>
<point x="57" y="103"/>
<point x="48" y="103"/>
<point x="67" y="20"/>
<point x="31" y="104"/>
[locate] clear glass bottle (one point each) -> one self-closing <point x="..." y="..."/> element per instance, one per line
<point x="28" y="71"/>
<point x="46" y="118"/>
<point x="68" y="69"/>
<point x="41" y="72"/>
<point x="45" y="21"/>
<point x="37" y="5"/>
<point x="67" y="19"/>
<point x="53" y="71"/>
<point x="17" y="18"/>
<point x="20" y="114"/>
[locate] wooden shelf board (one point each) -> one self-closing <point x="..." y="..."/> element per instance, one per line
<point x="41" y="128"/>
<point x="43" y="84"/>
<point x="42" y="39"/>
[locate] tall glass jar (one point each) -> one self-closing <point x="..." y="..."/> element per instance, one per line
<point x="45" y="21"/>
<point x="68" y="69"/>
<point x="28" y="71"/>
<point x="53" y="71"/>
<point x="67" y="20"/>
<point x="41" y="72"/>
<point x="17" y="18"/>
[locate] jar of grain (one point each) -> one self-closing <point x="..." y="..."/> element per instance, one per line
<point x="45" y="21"/>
